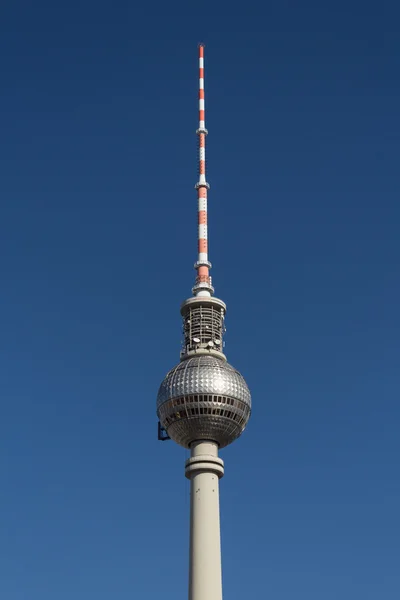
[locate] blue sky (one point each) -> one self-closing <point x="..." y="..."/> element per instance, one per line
<point x="98" y="112"/>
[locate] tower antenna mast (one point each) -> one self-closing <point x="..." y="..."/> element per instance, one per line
<point x="203" y="285"/>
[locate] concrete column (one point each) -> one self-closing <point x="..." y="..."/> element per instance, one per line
<point x="204" y="469"/>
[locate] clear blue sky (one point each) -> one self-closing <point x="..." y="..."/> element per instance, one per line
<point x="98" y="112"/>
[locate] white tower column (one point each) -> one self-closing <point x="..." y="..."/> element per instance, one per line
<point x="204" y="469"/>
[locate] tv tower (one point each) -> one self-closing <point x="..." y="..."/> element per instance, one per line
<point x="203" y="403"/>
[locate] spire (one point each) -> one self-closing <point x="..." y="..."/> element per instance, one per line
<point x="203" y="285"/>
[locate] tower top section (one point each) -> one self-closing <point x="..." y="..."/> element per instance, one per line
<point x="203" y="397"/>
<point x="203" y="286"/>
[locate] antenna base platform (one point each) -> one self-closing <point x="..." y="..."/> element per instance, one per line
<point x="202" y="263"/>
<point x="202" y="286"/>
<point x="200" y="184"/>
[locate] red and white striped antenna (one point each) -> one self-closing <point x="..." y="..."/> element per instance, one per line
<point x="203" y="285"/>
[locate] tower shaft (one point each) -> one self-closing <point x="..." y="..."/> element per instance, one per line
<point x="204" y="469"/>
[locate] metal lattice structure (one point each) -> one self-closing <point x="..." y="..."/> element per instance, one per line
<point x="203" y="326"/>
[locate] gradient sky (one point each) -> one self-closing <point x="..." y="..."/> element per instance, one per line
<point x="98" y="112"/>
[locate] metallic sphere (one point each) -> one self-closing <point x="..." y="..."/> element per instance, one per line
<point x="203" y="398"/>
